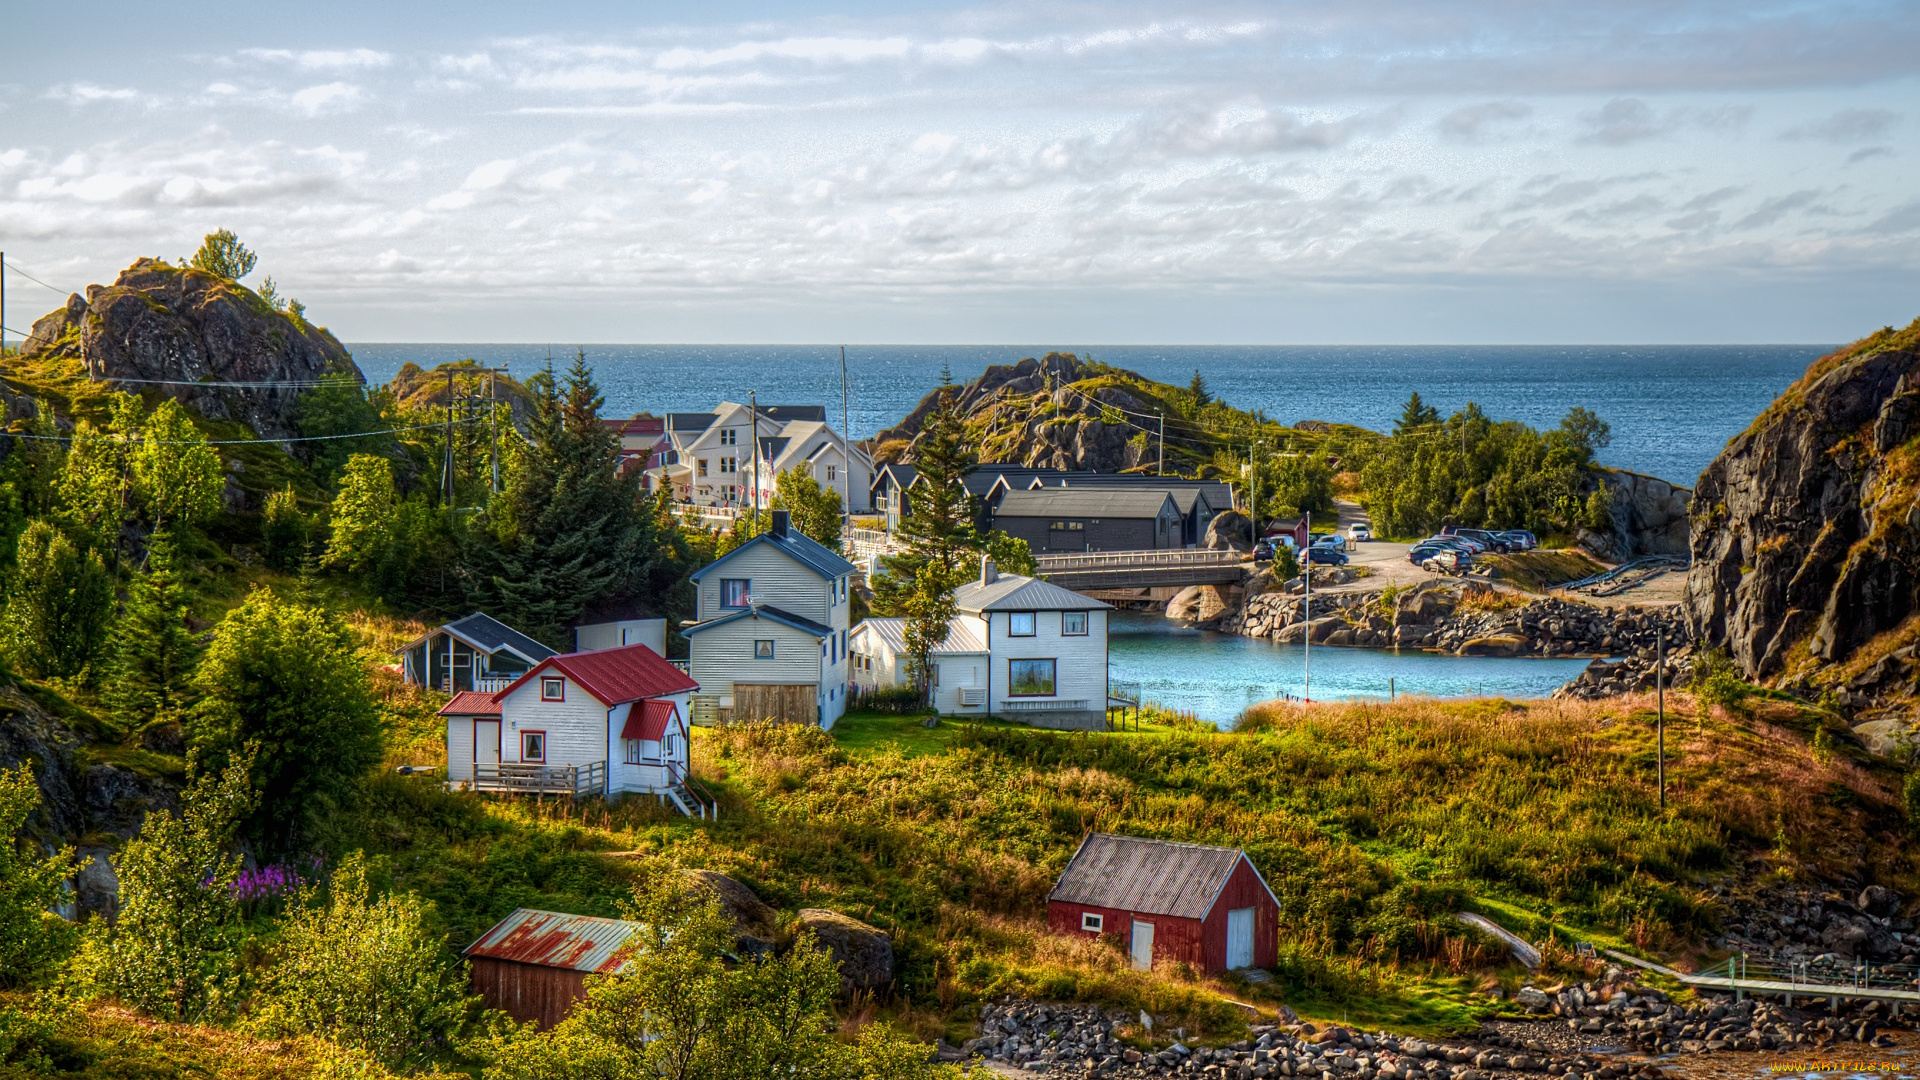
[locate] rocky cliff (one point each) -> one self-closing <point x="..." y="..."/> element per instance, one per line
<point x="1058" y="412"/>
<point x="1806" y="530"/>
<point x="1649" y="517"/>
<point x="158" y="326"/>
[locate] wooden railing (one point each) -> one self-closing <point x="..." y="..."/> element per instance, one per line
<point x="1016" y="705"/>
<point x="570" y="780"/>
<point x="1130" y="560"/>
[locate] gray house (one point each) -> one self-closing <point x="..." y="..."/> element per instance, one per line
<point x="1091" y="519"/>
<point x="477" y="652"/>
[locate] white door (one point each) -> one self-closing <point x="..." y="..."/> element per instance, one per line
<point x="1142" y="946"/>
<point x="486" y="742"/>
<point x="1240" y="938"/>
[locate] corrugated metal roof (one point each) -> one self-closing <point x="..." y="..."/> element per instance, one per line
<point x="628" y="673"/>
<point x="492" y="635"/>
<point x="802" y="548"/>
<point x="1016" y="593"/>
<point x="551" y="939"/>
<point x="1097" y="502"/>
<point x="471" y="703"/>
<point x="1156" y="877"/>
<point x="649" y="720"/>
<point x="961" y="639"/>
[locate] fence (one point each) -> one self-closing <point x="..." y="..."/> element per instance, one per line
<point x="1128" y="560"/>
<point x="569" y="780"/>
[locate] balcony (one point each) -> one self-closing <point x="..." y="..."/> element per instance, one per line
<point x="572" y="781"/>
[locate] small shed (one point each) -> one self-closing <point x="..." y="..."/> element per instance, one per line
<point x="533" y="965"/>
<point x="478" y="652"/>
<point x="1168" y="902"/>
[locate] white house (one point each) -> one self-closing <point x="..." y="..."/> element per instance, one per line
<point x="595" y="723"/>
<point x="1020" y="648"/>
<point x="770" y="636"/>
<point x="733" y="455"/>
<point x="477" y="652"/>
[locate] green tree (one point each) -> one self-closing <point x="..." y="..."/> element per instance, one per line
<point x="680" y="1012"/>
<point x="153" y="669"/>
<point x="1011" y="554"/>
<point x="286" y="679"/>
<point x="364" y="514"/>
<point x="1202" y="397"/>
<point x="929" y="610"/>
<point x="815" y="510"/>
<point x="1599" y="515"/>
<point x="33" y="940"/>
<point x="1417" y="416"/>
<point x="35" y="463"/>
<point x="176" y="474"/>
<point x="221" y="253"/>
<point x="59" y="603"/>
<point x="1294" y="484"/>
<point x="939" y="528"/>
<point x="336" y="408"/>
<point x="1586" y="429"/>
<point x="174" y="950"/>
<point x="285" y="532"/>
<point x="569" y="530"/>
<point x="363" y="972"/>
<point x="96" y="481"/>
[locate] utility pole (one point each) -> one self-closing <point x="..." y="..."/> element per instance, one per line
<point x="846" y="440"/>
<point x="1161" y="469"/>
<point x="448" y="467"/>
<point x="3" y="303"/>
<point x="753" y="448"/>
<point x="1253" y="495"/>
<point x="1660" y="691"/>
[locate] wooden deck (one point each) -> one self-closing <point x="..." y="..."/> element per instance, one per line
<point x="572" y="781"/>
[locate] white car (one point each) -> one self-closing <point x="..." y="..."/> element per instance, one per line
<point x="1359" y="530"/>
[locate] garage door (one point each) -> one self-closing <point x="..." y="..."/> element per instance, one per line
<point x="798" y="703"/>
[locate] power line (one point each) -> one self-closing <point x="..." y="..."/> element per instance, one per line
<point x="15" y="267"/>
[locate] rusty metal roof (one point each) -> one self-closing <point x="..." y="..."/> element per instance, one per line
<point x="551" y="939"/>
<point x="1154" y="877"/>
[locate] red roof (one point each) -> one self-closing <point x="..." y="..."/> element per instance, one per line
<point x="615" y="676"/>
<point x="471" y="703"/>
<point x="649" y="720"/>
<point x="551" y="939"/>
<point x="639" y="425"/>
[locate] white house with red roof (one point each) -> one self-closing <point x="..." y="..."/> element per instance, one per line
<point x="608" y="722"/>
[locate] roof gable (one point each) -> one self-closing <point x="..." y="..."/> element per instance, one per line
<point x="471" y="703"/>
<point x="648" y="720"/>
<point x="490" y="635"/>
<point x="764" y="611"/>
<point x="615" y="676"/>
<point x="1155" y="877"/>
<point x="797" y="546"/>
<point x="1013" y="592"/>
<point x="1101" y="502"/>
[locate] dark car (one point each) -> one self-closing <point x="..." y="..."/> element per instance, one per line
<point x="1263" y="551"/>
<point x="1489" y="540"/>
<point x="1326" y="556"/>
<point x="1521" y="539"/>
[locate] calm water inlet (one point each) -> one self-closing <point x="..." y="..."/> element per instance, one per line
<point x="1215" y="676"/>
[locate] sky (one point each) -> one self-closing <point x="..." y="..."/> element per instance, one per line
<point x="1319" y="171"/>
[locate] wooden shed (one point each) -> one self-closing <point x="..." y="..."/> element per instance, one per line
<point x="1168" y="902"/>
<point x="533" y="965"/>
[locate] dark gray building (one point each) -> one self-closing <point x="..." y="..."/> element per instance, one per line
<point x="1091" y="519"/>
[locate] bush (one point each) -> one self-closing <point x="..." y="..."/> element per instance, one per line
<point x="363" y="973"/>
<point x="897" y="700"/>
<point x="59" y="604"/>
<point x="32" y="939"/>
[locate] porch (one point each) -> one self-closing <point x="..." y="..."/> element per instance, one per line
<point x="572" y="781"/>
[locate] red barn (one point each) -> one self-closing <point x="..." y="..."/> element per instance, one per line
<point x="533" y="965"/>
<point x="1205" y="905"/>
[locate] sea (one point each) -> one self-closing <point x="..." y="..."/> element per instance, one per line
<point x="1672" y="408"/>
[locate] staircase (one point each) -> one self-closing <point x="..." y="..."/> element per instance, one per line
<point x="691" y="798"/>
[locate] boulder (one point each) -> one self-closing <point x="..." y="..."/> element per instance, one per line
<point x="756" y="925"/>
<point x="1185" y="604"/>
<point x="864" y="953"/>
<point x="1887" y="737"/>
<point x="1217" y="601"/>
<point x="1532" y="999"/>
<point x="1496" y="645"/>
<point x="1229" y="531"/>
<point x="1879" y="901"/>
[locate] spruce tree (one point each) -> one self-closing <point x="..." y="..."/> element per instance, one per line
<point x="1416" y="415"/>
<point x="939" y="527"/>
<point x="152" y="674"/>
<point x="570" y="530"/>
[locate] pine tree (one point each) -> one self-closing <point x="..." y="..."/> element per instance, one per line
<point x="939" y="527"/>
<point x="152" y="675"/>
<point x="569" y="531"/>
<point x="1415" y="416"/>
<point x="1198" y="388"/>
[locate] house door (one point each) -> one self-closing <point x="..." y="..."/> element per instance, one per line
<point x="1142" y="949"/>
<point x="1239" y="938"/>
<point x="486" y="742"/>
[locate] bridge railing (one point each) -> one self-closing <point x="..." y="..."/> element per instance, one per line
<point x="1134" y="560"/>
<point x="1821" y="973"/>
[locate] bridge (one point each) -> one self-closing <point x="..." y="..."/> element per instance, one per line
<point x="1826" y="978"/>
<point x="1177" y="568"/>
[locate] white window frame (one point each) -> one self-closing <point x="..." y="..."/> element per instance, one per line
<point x="553" y="680"/>
<point x="1093" y="923"/>
<point x="1086" y="623"/>
<point x="1032" y="620"/>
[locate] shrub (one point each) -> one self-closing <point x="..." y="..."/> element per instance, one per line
<point x="363" y="973"/>
<point x="32" y="938"/>
<point x="59" y="604"/>
<point x="899" y="700"/>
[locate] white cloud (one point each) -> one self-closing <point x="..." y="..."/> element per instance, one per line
<point x="322" y="59"/>
<point x="1845" y="126"/>
<point x="82" y="93"/>
<point x="327" y="97"/>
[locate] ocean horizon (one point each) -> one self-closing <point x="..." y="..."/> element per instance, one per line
<point x="1672" y="407"/>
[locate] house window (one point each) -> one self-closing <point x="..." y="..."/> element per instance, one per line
<point x="736" y="592"/>
<point x="1092" y="923"/>
<point x="703" y="466"/>
<point x="1030" y="678"/>
<point x="636" y="753"/>
<point x="1020" y="624"/>
<point x="763" y="648"/>
<point x="1068" y="526"/>
<point x="1073" y="623"/>
<point x="533" y="747"/>
<point x="833" y="473"/>
<point x="728" y="464"/>
<point x="729" y="436"/>
<point x="553" y="689"/>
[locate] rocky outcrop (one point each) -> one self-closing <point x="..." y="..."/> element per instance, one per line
<point x="756" y="925"/>
<point x="158" y="326"/>
<point x="1229" y="531"/>
<point x="863" y="953"/>
<point x="1649" y="517"/>
<point x="1032" y="413"/>
<point x="1806" y="530"/>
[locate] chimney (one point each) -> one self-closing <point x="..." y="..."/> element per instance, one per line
<point x="988" y="572"/>
<point x="779" y="526"/>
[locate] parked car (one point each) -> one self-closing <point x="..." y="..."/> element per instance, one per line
<point x="1489" y="540"/>
<point x="1456" y="543"/>
<point x="1359" y="531"/>
<point x="1328" y="540"/>
<point x="1423" y="551"/>
<point x="1326" y="556"/>
<point x="1446" y="562"/>
<point x="1263" y="551"/>
<point x="1521" y="539"/>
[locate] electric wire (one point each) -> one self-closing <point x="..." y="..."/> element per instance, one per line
<point x="16" y="269"/>
<point x="437" y="425"/>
